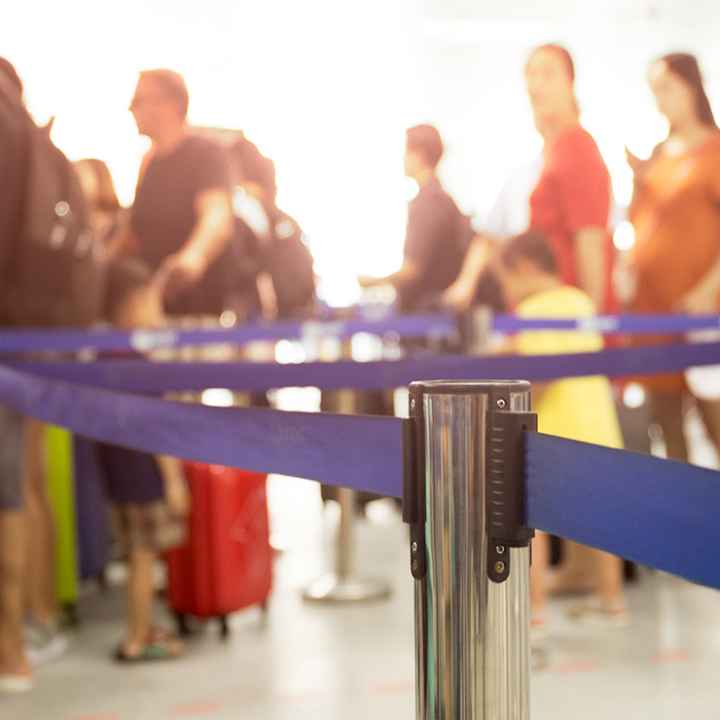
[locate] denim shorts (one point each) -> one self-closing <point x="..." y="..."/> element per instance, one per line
<point x="11" y="456"/>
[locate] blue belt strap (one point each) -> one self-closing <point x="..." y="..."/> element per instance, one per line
<point x="148" y="377"/>
<point x="656" y="512"/>
<point x="108" y="340"/>
<point x="361" y="452"/>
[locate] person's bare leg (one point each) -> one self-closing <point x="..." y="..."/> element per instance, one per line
<point x="140" y="600"/>
<point x="12" y="571"/>
<point x="668" y="411"/>
<point x="538" y="570"/>
<point x="710" y="414"/>
<point x="40" y="587"/>
<point x="610" y="581"/>
<point x="576" y="573"/>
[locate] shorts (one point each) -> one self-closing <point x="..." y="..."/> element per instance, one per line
<point x="147" y="526"/>
<point x="136" y="491"/>
<point x="12" y="435"/>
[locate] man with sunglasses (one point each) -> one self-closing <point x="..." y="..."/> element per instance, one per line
<point x="182" y="216"/>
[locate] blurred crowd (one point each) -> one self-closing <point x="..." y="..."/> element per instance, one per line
<point x="205" y="238"/>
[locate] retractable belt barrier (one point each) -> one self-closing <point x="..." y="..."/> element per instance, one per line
<point x="359" y="451"/>
<point x="475" y="477"/>
<point x="438" y="325"/>
<point x="656" y="512"/>
<point x="141" y="376"/>
<point x="107" y="340"/>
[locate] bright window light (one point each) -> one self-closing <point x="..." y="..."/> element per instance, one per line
<point x="624" y="237"/>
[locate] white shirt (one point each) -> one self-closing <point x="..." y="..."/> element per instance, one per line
<point x="510" y="214"/>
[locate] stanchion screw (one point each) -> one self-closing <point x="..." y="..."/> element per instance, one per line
<point x="501" y="404"/>
<point x="500" y="549"/>
<point x="414" y="547"/>
<point x="499" y="567"/>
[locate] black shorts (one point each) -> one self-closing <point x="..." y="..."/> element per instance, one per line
<point x="11" y="456"/>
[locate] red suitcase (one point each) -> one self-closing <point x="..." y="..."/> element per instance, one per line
<point x="226" y="563"/>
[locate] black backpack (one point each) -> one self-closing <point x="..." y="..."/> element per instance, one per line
<point x="290" y="264"/>
<point x="54" y="272"/>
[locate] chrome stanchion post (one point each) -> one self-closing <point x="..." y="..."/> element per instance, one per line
<point x="464" y="501"/>
<point x="344" y="585"/>
<point x="476" y="327"/>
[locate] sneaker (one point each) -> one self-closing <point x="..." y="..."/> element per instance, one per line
<point x="599" y="615"/>
<point x="15" y="684"/>
<point x="44" y="644"/>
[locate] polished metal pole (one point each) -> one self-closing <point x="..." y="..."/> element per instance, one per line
<point x="472" y="593"/>
<point x="345" y="585"/>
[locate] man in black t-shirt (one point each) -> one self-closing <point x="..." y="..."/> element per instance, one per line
<point x="182" y="216"/>
<point x="437" y="232"/>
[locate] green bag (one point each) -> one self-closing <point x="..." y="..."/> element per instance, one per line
<point x="61" y="490"/>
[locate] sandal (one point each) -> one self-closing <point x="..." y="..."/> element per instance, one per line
<point x="158" y="649"/>
<point x="600" y="614"/>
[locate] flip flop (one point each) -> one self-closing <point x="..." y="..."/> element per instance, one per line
<point x="155" y="651"/>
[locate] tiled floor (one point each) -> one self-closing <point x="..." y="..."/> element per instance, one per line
<point x="356" y="663"/>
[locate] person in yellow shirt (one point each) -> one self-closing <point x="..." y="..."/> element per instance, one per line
<point x="579" y="409"/>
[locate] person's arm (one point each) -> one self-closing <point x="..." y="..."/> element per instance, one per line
<point x="268" y="296"/>
<point x="703" y="298"/>
<point x="424" y="229"/>
<point x="208" y="239"/>
<point x="585" y="198"/>
<point x="406" y="276"/>
<point x="460" y="294"/>
<point x="122" y="242"/>
<point x="591" y="259"/>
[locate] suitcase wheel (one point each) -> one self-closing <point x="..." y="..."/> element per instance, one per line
<point x="181" y="621"/>
<point x="224" y="627"/>
<point x="70" y="617"/>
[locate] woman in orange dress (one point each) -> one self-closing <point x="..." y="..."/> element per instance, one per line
<point x="676" y="216"/>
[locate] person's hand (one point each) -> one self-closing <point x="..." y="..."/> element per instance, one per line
<point x="702" y="300"/>
<point x="182" y="270"/>
<point x="636" y="164"/>
<point x="459" y="296"/>
<point x="625" y="280"/>
<point x="142" y="307"/>
<point x="367" y="281"/>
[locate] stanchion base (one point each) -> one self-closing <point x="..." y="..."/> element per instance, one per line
<point x="333" y="589"/>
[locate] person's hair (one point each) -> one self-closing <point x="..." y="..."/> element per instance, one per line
<point x="8" y="69"/>
<point x="531" y="246"/>
<point x="172" y="84"/>
<point x="107" y="199"/>
<point x="686" y="67"/>
<point x="563" y="53"/>
<point x="426" y="141"/>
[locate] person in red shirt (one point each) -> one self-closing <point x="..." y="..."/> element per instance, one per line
<point x="572" y="200"/>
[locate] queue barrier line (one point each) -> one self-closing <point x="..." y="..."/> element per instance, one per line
<point x="659" y="513"/>
<point x="108" y="340"/>
<point x="363" y="452"/>
<point x="627" y="324"/>
<point x="141" y="376"/>
<point x="438" y="325"/>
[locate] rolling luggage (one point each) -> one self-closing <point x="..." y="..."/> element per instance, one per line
<point x="61" y="491"/>
<point x="226" y="563"/>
